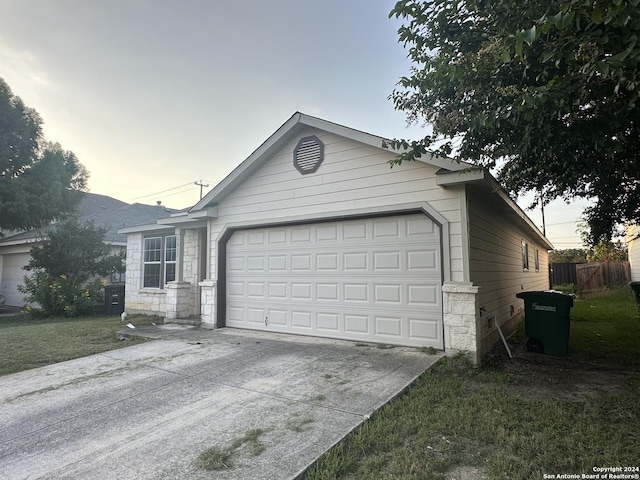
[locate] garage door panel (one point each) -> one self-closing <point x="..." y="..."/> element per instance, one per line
<point x="357" y="324"/>
<point x="419" y="260"/>
<point x="328" y="322"/>
<point x="356" y="292"/>
<point x="13" y="276"/>
<point x="327" y="292"/>
<point x="277" y="317"/>
<point x="301" y="263"/>
<point x="370" y="279"/>
<point x="423" y="295"/>
<point x="301" y="320"/>
<point x="277" y="290"/>
<point x="426" y="329"/>
<point x="388" y="326"/>
<point x="256" y="316"/>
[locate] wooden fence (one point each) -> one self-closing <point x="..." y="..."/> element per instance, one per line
<point x="596" y="276"/>
<point x="563" y="273"/>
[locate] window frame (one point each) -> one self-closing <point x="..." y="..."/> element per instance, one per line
<point x="525" y="256"/>
<point x="536" y="259"/>
<point x="163" y="255"/>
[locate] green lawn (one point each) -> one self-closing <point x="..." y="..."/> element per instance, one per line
<point x="512" y="419"/>
<point x="606" y="326"/>
<point x="28" y="342"/>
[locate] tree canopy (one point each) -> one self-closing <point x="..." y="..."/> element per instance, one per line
<point x="39" y="181"/>
<point x="545" y="93"/>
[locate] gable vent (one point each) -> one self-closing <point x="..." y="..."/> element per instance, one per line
<point x="308" y="154"/>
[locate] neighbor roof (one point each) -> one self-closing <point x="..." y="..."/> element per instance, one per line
<point x="105" y="212"/>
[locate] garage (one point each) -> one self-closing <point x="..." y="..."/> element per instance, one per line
<point x="12" y="276"/>
<point x="367" y="279"/>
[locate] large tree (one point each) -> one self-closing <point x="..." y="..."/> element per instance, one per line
<point x="39" y="181"/>
<point x="545" y="93"/>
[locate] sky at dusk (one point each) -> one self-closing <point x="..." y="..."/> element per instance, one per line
<point x="154" y="95"/>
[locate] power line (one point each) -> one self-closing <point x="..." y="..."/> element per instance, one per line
<point x="158" y="193"/>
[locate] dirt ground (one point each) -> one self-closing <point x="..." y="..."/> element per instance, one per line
<point x="572" y="378"/>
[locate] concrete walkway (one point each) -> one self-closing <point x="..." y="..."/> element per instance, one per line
<point x="147" y="411"/>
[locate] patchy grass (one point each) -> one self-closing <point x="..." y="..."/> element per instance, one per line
<point x="606" y="327"/>
<point x="460" y="416"/>
<point x="298" y="424"/>
<point x="511" y="419"/>
<point x="27" y="342"/>
<point x="428" y="350"/>
<point x="217" y="458"/>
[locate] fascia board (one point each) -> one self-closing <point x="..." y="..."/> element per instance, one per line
<point x="144" y="228"/>
<point x="521" y="213"/>
<point x="463" y="176"/>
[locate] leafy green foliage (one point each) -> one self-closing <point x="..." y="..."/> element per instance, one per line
<point x="568" y="255"/>
<point x="608" y="252"/>
<point x="63" y="266"/>
<point x="57" y="296"/>
<point x="39" y="181"/>
<point x="544" y="92"/>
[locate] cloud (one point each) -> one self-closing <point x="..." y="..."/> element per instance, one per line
<point x="22" y="71"/>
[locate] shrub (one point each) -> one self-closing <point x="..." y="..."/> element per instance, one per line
<point x="57" y="296"/>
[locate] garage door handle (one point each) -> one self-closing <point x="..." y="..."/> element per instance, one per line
<point x="266" y="322"/>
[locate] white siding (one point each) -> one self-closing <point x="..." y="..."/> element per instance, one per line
<point x="633" y="242"/>
<point x="495" y="253"/>
<point x="352" y="176"/>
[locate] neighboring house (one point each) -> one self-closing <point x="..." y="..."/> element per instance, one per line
<point x="102" y="210"/>
<point x="632" y="239"/>
<point x="315" y="234"/>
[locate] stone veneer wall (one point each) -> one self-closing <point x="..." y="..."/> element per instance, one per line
<point x="191" y="267"/>
<point x="178" y="299"/>
<point x="460" y="318"/>
<point x="208" y="302"/>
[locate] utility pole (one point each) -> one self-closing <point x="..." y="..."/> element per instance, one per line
<point x="200" y="185"/>
<point x="544" y="227"/>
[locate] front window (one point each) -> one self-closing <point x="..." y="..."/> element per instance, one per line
<point x="160" y="254"/>
<point x="536" y="259"/>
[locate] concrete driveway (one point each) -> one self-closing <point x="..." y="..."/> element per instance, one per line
<point x="147" y="411"/>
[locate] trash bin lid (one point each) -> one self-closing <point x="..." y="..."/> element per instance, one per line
<point x="545" y="293"/>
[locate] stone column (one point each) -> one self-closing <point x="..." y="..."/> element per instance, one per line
<point x="460" y="311"/>
<point x="208" y="303"/>
<point x="177" y="300"/>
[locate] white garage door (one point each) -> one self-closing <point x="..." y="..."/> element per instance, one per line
<point x="374" y="280"/>
<point x="12" y="276"/>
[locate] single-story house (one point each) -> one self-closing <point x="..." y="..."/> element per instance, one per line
<point x="632" y="238"/>
<point x="104" y="211"/>
<point x="315" y="234"/>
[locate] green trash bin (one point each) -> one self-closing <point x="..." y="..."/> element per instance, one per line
<point x="546" y="321"/>
<point x="114" y="299"/>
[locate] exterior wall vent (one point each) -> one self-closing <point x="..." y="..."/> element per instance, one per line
<point x="308" y="154"/>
